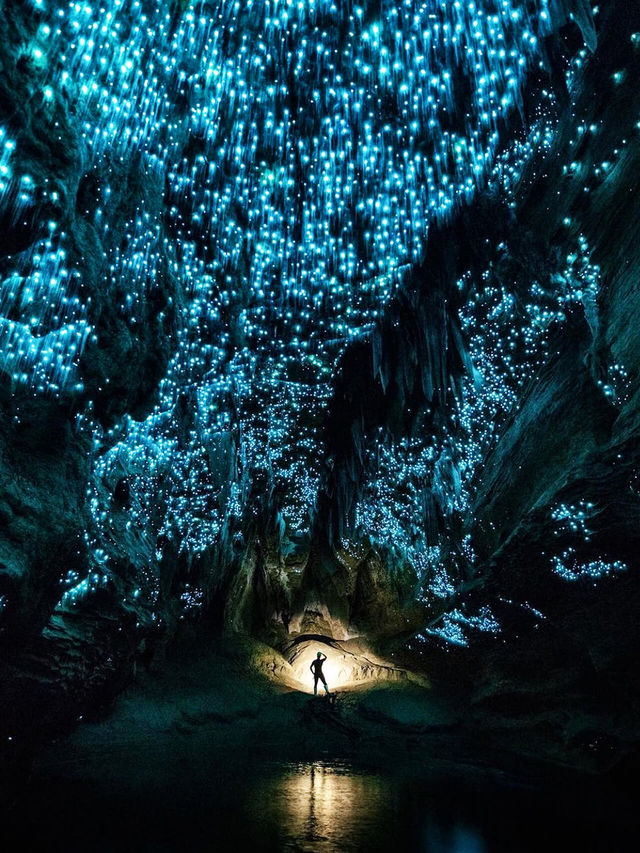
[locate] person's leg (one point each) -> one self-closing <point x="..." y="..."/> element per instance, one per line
<point x="324" y="681"/>
<point x="315" y="685"/>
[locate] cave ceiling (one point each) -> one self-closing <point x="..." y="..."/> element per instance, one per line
<point x="317" y="278"/>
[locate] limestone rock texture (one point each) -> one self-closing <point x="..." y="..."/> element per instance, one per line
<point x="544" y="535"/>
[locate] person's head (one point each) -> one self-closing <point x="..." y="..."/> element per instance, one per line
<point x="319" y="655"/>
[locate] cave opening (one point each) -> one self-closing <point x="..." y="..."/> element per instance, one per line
<point x="349" y="664"/>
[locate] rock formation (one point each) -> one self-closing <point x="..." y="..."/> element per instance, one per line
<point x="322" y="321"/>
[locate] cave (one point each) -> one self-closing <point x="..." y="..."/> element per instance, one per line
<point x="319" y="339"/>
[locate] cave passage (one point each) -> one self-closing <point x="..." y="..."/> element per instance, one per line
<point x="202" y="753"/>
<point x="349" y="664"/>
<point x="319" y="333"/>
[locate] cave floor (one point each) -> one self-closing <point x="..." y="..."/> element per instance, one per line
<point x="205" y="753"/>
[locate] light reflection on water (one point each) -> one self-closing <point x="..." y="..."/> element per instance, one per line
<point x="317" y="808"/>
<point x="201" y="806"/>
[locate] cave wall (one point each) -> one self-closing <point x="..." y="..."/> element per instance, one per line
<point x="96" y="471"/>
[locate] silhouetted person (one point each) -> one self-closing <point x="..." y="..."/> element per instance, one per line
<point x="318" y="674"/>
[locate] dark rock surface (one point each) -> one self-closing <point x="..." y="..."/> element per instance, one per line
<point x="560" y="680"/>
<point x="204" y="750"/>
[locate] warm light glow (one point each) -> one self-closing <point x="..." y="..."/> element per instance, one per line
<point x="344" y="667"/>
<point x="321" y="805"/>
<point x="337" y="669"/>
